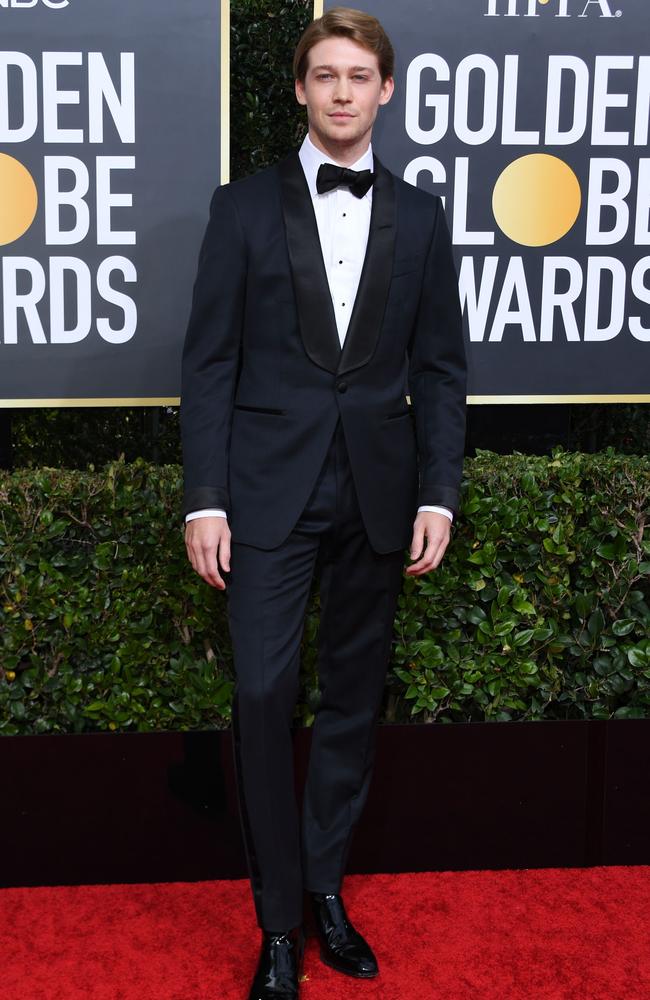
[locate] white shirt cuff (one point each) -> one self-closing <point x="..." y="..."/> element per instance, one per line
<point x="206" y="512"/>
<point x="439" y="510"/>
<point x="214" y="512"/>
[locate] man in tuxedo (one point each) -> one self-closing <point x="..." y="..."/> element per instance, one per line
<point x="326" y="292"/>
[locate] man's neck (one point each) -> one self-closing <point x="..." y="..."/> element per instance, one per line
<point x="343" y="155"/>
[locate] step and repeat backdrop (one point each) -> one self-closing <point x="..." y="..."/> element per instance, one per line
<point x="530" y="119"/>
<point x="110" y="147"/>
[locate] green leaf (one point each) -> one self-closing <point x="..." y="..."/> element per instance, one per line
<point x="523" y="606"/>
<point x="602" y="665"/>
<point x="503" y="596"/>
<point x="623" y="626"/>
<point x="630" y="712"/>
<point x="596" y="623"/>
<point x="638" y="657"/>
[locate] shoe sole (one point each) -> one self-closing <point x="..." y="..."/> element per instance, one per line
<point x="348" y="972"/>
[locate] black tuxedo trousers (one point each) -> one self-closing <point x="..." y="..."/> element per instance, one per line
<point x="267" y="592"/>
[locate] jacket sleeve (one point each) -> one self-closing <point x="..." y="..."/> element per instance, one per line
<point x="210" y="360"/>
<point x="438" y="374"/>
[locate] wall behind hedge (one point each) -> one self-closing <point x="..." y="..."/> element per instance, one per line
<point x="539" y="610"/>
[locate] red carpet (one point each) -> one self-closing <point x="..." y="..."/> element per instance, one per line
<point x="550" y="934"/>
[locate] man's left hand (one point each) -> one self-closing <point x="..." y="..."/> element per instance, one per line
<point x="436" y="530"/>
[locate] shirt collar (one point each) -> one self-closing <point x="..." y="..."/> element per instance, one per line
<point x="311" y="158"/>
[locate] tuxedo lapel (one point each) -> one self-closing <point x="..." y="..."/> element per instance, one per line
<point x="313" y="300"/>
<point x="370" y="303"/>
<point x="311" y="288"/>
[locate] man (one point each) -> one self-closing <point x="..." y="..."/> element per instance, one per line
<point x="326" y="291"/>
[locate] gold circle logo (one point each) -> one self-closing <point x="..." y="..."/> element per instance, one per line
<point x="18" y="199"/>
<point x="536" y="199"/>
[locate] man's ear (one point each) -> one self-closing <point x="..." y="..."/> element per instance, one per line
<point x="387" y="88"/>
<point x="300" y="92"/>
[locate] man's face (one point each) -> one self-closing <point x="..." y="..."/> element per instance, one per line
<point x="342" y="91"/>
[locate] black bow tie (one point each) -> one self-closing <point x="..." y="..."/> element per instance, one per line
<point x="331" y="176"/>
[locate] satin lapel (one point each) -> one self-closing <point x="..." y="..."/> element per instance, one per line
<point x="311" y="288"/>
<point x="370" y="303"/>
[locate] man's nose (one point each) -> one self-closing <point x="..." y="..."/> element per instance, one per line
<point x="342" y="91"/>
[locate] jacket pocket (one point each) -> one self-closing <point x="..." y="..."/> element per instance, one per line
<point x="259" y="409"/>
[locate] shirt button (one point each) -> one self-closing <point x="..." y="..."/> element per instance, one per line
<point x="340" y="262"/>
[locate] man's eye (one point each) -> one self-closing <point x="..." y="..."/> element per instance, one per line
<point x="359" y="76"/>
<point x="324" y="76"/>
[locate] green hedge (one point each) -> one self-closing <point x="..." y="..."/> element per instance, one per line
<point x="540" y="609"/>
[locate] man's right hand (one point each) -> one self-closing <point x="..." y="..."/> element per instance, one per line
<point x="207" y="540"/>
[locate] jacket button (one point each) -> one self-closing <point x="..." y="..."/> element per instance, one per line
<point x="341" y="386"/>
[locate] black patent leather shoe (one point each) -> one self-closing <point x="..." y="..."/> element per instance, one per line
<point x="280" y="966"/>
<point x="341" y="946"/>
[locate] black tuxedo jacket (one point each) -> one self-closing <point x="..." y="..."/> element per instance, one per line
<point x="264" y="378"/>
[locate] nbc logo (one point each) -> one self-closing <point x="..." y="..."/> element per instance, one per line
<point x="565" y="8"/>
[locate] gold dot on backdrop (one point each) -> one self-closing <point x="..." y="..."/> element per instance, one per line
<point x="18" y="199"/>
<point x="536" y="199"/>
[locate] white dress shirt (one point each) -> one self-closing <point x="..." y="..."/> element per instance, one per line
<point x="343" y="224"/>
